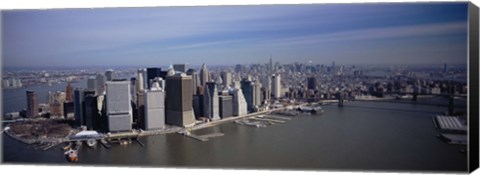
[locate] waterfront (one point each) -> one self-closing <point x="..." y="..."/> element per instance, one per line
<point x="361" y="135"/>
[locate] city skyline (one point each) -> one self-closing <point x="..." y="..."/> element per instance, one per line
<point x="347" y="34"/>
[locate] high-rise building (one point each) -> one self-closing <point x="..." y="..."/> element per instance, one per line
<point x="226" y="106"/>
<point x="311" y="83"/>
<point x="257" y="95"/>
<point x="248" y="92"/>
<point x="141" y="74"/>
<point x="239" y="103"/>
<point x="32" y="104"/>
<point x="110" y="75"/>
<point x="195" y="80"/>
<point x="267" y="86"/>
<point x="276" y="86"/>
<point x="133" y="89"/>
<point x="68" y="111"/>
<point x="56" y="101"/>
<point x="92" y="83"/>
<point x="90" y="110"/>
<point x="153" y="72"/>
<point x="69" y="92"/>
<point x="210" y="101"/>
<point x="154" y="108"/>
<point x="178" y="104"/>
<point x="100" y="86"/>
<point x="181" y="67"/>
<point x="197" y="103"/>
<point x="227" y="78"/>
<point x="118" y="108"/>
<point x="204" y="75"/>
<point x="78" y="106"/>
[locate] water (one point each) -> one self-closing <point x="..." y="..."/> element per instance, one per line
<point x="361" y="135"/>
<point x="16" y="99"/>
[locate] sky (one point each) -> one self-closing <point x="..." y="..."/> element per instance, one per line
<point x="418" y="33"/>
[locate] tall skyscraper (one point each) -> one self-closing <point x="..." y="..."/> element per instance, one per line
<point x="257" y="95"/>
<point x="78" y="106"/>
<point x="210" y="101"/>
<point x="204" y="75"/>
<point x="110" y="74"/>
<point x="118" y="107"/>
<point x="56" y="101"/>
<point x="32" y="104"/>
<point x="90" y="111"/>
<point x="181" y="67"/>
<point x="133" y="89"/>
<point x="178" y="102"/>
<point x="227" y="78"/>
<point x="195" y="80"/>
<point x="267" y="86"/>
<point x="248" y="92"/>
<point x="69" y="92"/>
<point x="154" y="108"/>
<point x="276" y="86"/>
<point x="311" y="83"/>
<point x="141" y="74"/>
<point x="91" y="83"/>
<point x="239" y="102"/>
<point x="100" y="86"/>
<point x="153" y="72"/>
<point x="226" y="106"/>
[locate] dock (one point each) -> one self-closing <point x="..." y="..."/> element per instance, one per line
<point x="278" y="117"/>
<point x="268" y="120"/>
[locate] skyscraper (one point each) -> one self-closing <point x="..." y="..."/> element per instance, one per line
<point x="100" y="86"/>
<point x="110" y="75"/>
<point x="267" y="86"/>
<point x="178" y="102"/>
<point x="91" y="83"/>
<point x="227" y="78"/>
<point x="239" y="103"/>
<point x="56" y="101"/>
<point x="90" y="110"/>
<point x="195" y="80"/>
<point x="152" y="72"/>
<point x="181" y="67"/>
<point x="257" y="95"/>
<point x="154" y="108"/>
<point x="78" y="106"/>
<point x="210" y="101"/>
<point x="141" y="80"/>
<point x="69" y="92"/>
<point x="248" y="92"/>
<point x="118" y="107"/>
<point x="32" y="104"/>
<point x="204" y="75"/>
<point x="226" y="106"/>
<point x="276" y="86"/>
<point x="311" y="83"/>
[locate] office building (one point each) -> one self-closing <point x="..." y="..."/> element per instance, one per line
<point x="69" y="92"/>
<point x="141" y="77"/>
<point x="210" y="101"/>
<point x="56" y="101"/>
<point x="153" y="72"/>
<point x="204" y="75"/>
<point x="110" y="75"/>
<point x="133" y="89"/>
<point x="239" y="102"/>
<point x="90" y="110"/>
<point x="32" y="104"/>
<point x="100" y="86"/>
<point x="248" y="92"/>
<point x="257" y="94"/>
<point x="78" y="106"/>
<point x="180" y="67"/>
<point x="226" y="106"/>
<point x="68" y="110"/>
<point x="118" y="108"/>
<point x="311" y="83"/>
<point x="195" y="80"/>
<point x="154" y="108"/>
<point x="267" y="88"/>
<point x="197" y="103"/>
<point x="276" y="86"/>
<point x="92" y="83"/>
<point x="178" y="104"/>
<point x="227" y="78"/>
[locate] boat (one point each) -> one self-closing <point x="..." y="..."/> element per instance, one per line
<point x="71" y="155"/>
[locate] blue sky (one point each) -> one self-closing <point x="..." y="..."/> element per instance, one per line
<point x="421" y="33"/>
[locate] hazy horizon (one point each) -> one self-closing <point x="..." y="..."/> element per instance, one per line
<point x="407" y="33"/>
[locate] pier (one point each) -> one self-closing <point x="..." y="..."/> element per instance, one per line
<point x="268" y="120"/>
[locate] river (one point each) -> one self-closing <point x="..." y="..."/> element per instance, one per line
<point x="359" y="136"/>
